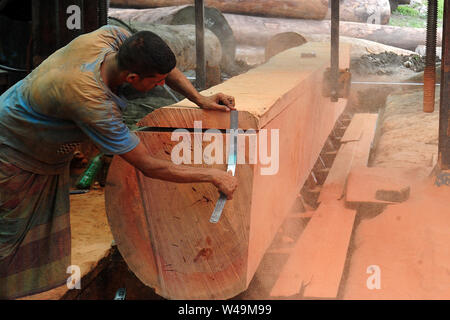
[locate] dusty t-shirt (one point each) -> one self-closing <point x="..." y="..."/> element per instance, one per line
<point x="62" y="103"/>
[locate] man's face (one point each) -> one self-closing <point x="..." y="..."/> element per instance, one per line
<point x="147" y="83"/>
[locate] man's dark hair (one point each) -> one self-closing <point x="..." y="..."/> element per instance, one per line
<point x="146" y="54"/>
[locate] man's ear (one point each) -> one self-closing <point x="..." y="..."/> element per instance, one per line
<point x="132" y="77"/>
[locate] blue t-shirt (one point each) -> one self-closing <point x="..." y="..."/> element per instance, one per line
<point x="62" y="103"/>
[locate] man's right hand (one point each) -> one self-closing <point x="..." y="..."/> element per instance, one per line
<point x="166" y="170"/>
<point x="225" y="182"/>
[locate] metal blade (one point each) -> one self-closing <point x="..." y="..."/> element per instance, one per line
<point x="232" y="156"/>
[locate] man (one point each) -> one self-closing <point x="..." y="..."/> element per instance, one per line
<point x="69" y="98"/>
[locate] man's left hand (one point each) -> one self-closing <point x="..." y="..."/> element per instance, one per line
<point x="219" y="101"/>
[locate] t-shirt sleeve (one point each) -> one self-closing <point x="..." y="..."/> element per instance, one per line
<point x="109" y="134"/>
<point x="102" y="122"/>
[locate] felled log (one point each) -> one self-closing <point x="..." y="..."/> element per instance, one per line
<point x="162" y="229"/>
<point x="366" y="11"/>
<point x="182" y="15"/>
<point x="181" y="39"/>
<point x="304" y="9"/>
<point x="256" y="31"/>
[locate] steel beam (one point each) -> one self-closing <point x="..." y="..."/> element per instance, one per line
<point x="334" y="63"/>
<point x="444" y="113"/>
<point x="200" y="70"/>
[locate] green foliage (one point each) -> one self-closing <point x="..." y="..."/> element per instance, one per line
<point x="407" y="11"/>
<point x="440" y="9"/>
<point x="405" y="21"/>
<point x="407" y="16"/>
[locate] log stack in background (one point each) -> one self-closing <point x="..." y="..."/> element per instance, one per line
<point x="365" y="11"/>
<point x="185" y="15"/>
<point x="256" y="31"/>
<point x="350" y="10"/>
<point x="303" y="9"/>
<point x="181" y="39"/>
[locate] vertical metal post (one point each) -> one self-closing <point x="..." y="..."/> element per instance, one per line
<point x="103" y="6"/>
<point x="200" y="70"/>
<point x="334" y="49"/>
<point x="44" y="29"/>
<point x="444" y="113"/>
<point x="429" y="75"/>
<point x="90" y="15"/>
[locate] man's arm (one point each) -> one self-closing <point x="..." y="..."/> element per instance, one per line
<point x="178" y="82"/>
<point x="165" y="170"/>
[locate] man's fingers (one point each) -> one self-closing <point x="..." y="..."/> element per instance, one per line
<point x="221" y="107"/>
<point x="226" y="100"/>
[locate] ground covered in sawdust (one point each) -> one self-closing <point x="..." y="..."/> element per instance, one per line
<point x="91" y="236"/>
<point x="409" y="137"/>
<point x="408" y="243"/>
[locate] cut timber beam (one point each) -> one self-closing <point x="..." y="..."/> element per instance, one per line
<point x="184" y="256"/>
<point x="363" y="183"/>
<point x="317" y="262"/>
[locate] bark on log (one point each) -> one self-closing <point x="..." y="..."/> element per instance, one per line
<point x="256" y="31"/>
<point x="366" y="11"/>
<point x="182" y="15"/>
<point x="304" y="9"/>
<point x="181" y="39"/>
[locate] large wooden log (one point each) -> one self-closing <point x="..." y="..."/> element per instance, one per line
<point x="183" y="15"/>
<point x="256" y="31"/>
<point x="181" y="39"/>
<point x="305" y="9"/>
<point x="162" y="229"/>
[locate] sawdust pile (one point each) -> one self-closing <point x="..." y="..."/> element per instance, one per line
<point x="408" y="243"/>
<point x="387" y="63"/>
<point x="409" y="137"/>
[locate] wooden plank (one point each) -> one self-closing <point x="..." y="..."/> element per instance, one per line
<point x="364" y="147"/>
<point x="318" y="258"/>
<point x="364" y="182"/>
<point x="334" y="185"/>
<point x="355" y="129"/>
<point x="355" y="152"/>
<point x="316" y="265"/>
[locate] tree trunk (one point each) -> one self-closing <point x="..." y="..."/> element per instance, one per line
<point x="182" y="15"/>
<point x="304" y="9"/>
<point x="181" y="39"/>
<point x="256" y="31"/>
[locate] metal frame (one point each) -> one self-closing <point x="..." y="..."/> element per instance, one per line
<point x="444" y="112"/>
<point x="200" y="71"/>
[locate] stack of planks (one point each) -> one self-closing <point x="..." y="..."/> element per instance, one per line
<point x="314" y="268"/>
<point x="162" y="229"/>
